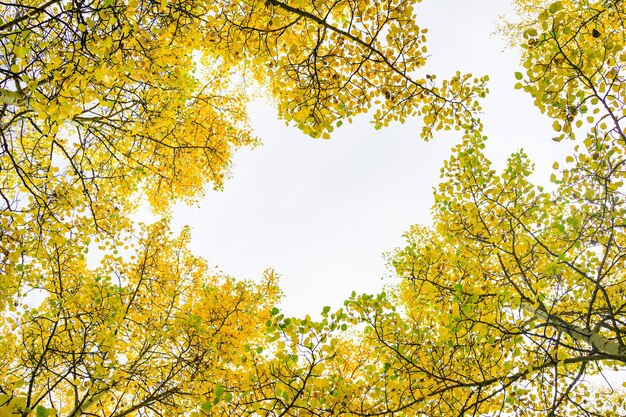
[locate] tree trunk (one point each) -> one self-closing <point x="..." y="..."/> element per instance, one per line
<point x="592" y="338"/>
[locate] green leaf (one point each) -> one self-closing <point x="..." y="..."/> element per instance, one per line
<point x="42" y="411"/>
<point x="219" y="391"/>
<point x="556" y="6"/>
<point x="519" y="75"/>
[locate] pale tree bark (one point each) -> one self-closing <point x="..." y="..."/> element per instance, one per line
<point x="11" y="97"/>
<point x="590" y="337"/>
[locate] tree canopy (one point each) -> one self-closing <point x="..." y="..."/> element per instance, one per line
<point x="507" y="304"/>
<point x="104" y="101"/>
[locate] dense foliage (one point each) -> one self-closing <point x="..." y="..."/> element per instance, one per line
<point x="508" y="303"/>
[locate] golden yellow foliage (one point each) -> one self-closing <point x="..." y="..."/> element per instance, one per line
<point x="158" y="331"/>
<point x="107" y="102"/>
<point x="507" y="302"/>
<point x="514" y="296"/>
<point x="573" y="58"/>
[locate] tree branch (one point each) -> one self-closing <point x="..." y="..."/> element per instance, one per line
<point x="11" y="97"/>
<point x="592" y="338"/>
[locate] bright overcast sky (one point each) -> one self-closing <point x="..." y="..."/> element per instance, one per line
<point x="322" y="213"/>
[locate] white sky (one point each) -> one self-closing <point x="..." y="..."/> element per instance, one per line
<point x="322" y="213"/>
